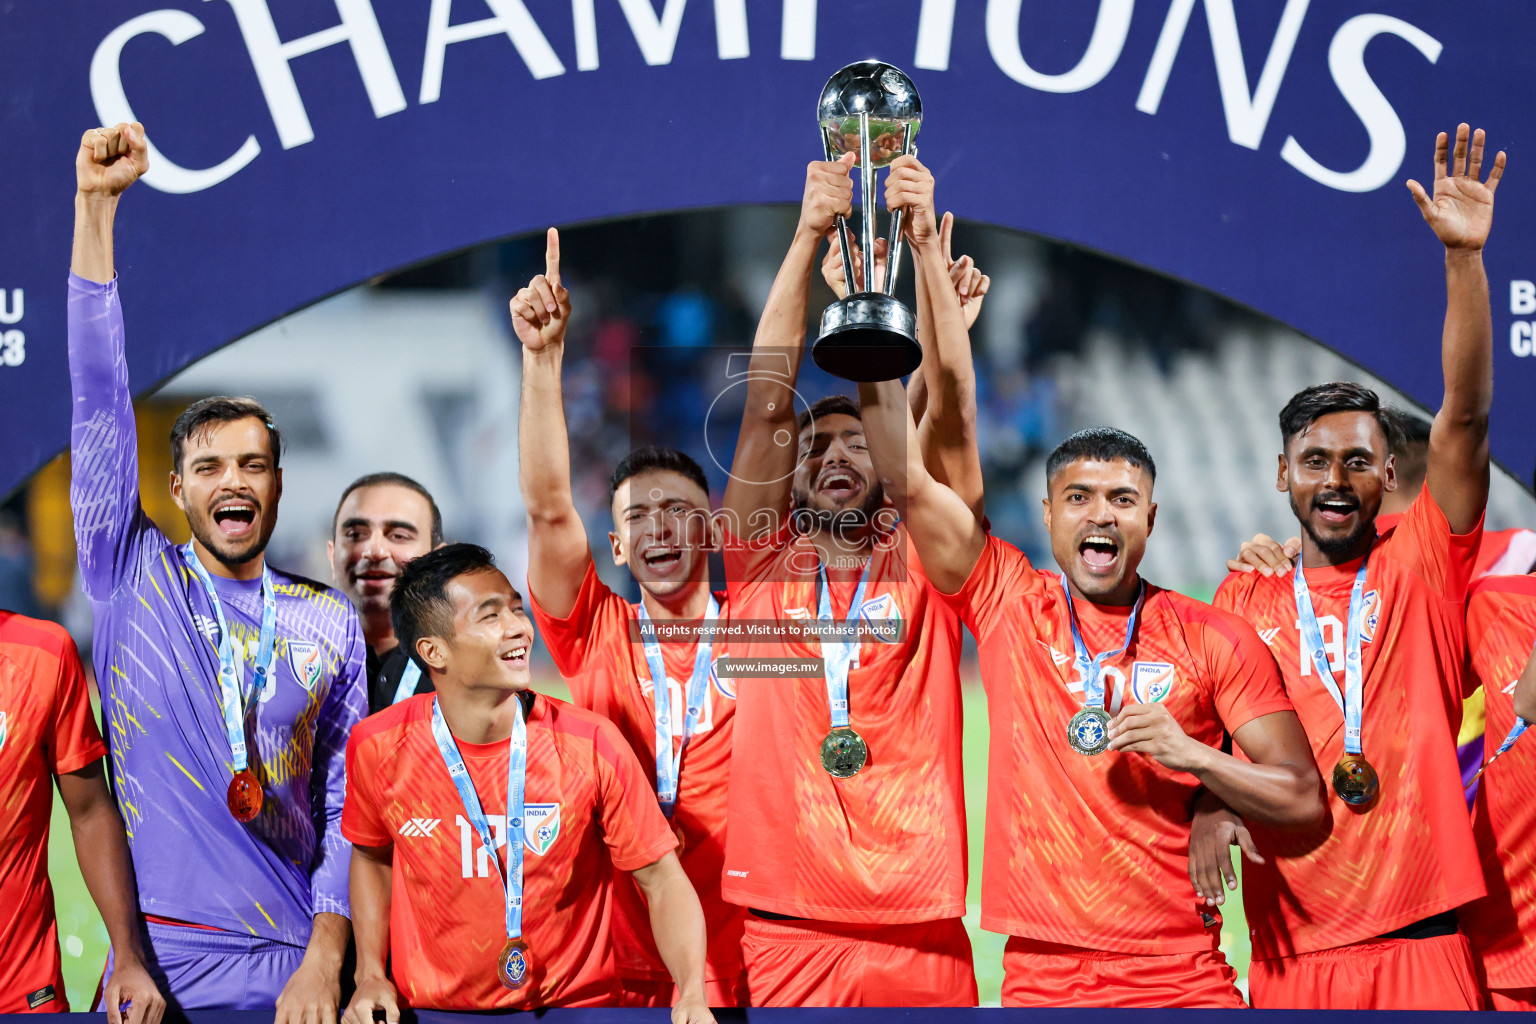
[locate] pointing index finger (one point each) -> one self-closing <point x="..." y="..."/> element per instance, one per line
<point x="552" y="257"/>
<point x="946" y="235"/>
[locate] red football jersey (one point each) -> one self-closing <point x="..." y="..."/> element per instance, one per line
<point x="589" y="812"/>
<point x="1363" y="873"/>
<point x="1094" y="851"/>
<point x="1501" y="632"/>
<point x="886" y="846"/>
<point x="603" y="662"/>
<point x="46" y="729"/>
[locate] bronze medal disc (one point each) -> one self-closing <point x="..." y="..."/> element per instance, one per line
<point x="1088" y="731"/>
<point x="1356" y="781"/>
<point x="514" y="967"/>
<point x="244" y="797"/>
<point x="843" y="753"/>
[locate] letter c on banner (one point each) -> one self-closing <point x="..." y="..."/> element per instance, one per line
<point x="112" y="101"/>
<point x="1109" y="32"/>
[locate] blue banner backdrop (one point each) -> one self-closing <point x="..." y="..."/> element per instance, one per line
<point x="301" y="146"/>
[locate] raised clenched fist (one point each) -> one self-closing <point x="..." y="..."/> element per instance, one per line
<point x="111" y="159"/>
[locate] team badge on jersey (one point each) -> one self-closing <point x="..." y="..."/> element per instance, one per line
<point x="541" y="827"/>
<point x="882" y="609"/>
<point x="1370" y="615"/>
<point x="1151" y="681"/>
<point x="304" y="660"/>
<point x="724" y="687"/>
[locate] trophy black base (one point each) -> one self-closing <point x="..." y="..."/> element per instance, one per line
<point x="868" y="337"/>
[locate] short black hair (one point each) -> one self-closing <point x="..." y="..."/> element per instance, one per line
<point x="1100" y="444"/>
<point x="392" y="480"/>
<point x="418" y="606"/>
<point x="832" y="405"/>
<point x="1309" y="405"/>
<point x="1408" y="441"/>
<point x="654" y="457"/>
<point x="197" y="419"/>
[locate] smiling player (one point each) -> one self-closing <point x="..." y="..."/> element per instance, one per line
<point x="438" y="786"/>
<point x="1109" y="699"/>
<point x="228" y="687"/>
<point x="659" y="499"/>
<point x="1370" y="636"/>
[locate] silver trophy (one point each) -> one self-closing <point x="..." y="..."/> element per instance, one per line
<point x="870" y="108"/>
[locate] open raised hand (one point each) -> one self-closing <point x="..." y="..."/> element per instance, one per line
<point x="1461" y="210"/>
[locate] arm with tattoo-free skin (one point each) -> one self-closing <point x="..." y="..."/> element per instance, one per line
<point x="757" y="493"/>
<point x="1460" y="212"/>
<point x="677" y="923"/>
<point x="102" y="850"/>
<point x="558" y="554"/>
<point x="372" y="875"/>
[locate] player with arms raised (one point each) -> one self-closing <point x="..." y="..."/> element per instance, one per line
<point x="661" y="532"/>
<point x="847" y="817"/>
<point x="228" y="687"/>
<point x="1109" y="699"/>
<point x="1370" y="636"/>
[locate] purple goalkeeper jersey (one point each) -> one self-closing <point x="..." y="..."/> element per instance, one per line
<point x="157" y="663"/>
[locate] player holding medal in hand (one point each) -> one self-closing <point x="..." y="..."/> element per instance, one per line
<point x="486" y="792"/>
<point x="1384" y="614"/>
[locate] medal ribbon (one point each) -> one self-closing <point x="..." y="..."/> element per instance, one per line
<point x="669" y="765"/>
<point x="408" y="680"/>
<point x="231" y="700"/>
<point x="1352" y="701"/>
<point x="1092" y="666"/>
<point x="517" y="761"/>
<point x="837" y="654"/>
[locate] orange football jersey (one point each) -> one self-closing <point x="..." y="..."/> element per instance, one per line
<point x="1363" y="873"/>
<point x="603" y="661"/>
<point x="886" y="846"/>
<point x="1501" y="632"/>
<point x="46" y="729"/>
<point x="589" y="813"/>
<point x="1093" y="851"/>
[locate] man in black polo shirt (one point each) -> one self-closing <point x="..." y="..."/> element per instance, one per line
<point x="382" y="522"/>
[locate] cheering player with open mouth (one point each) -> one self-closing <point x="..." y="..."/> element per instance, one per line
<point x="486" y="796"/>
<point x="664" y="695"/>
<point x="1370" y="635"/>
<point x="228" y="687"/>
<point x="1109" y="699"/>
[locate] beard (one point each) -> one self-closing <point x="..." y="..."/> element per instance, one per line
<point x="843" y="521"/>
<point x="1336" y="546"/>
<point x="209" y="536"/>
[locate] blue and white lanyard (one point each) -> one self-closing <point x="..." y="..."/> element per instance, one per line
<point x="231" y="700"/>
<point x="669" y="765"/>
<point x="1352" y="701"/>
<point x="408" y="680"/>
<point x="517" y="762"/>
<point x="1092" y="666"/>
<point x="1520" y="726"/>
<point x="837" y="653"/>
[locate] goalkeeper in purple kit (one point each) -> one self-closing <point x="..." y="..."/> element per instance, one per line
<point x="228" y="688"/>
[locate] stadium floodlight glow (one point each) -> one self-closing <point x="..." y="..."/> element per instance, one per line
<point x="872" y="109"/>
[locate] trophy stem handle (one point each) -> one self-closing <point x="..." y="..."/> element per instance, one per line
<point x="842" y="222"/>
<point x="893" y="249"/>
<point x="867" y="181"/>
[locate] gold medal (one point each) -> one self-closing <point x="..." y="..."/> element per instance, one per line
<point x="1088" y="731"/>
<point x="843" y="753"/>
<point x="244" y="797"/>
<point x="1355" y="780"/>
<point x="514" y="966"/>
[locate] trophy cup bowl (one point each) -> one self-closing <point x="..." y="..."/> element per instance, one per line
<point x="872" y="109"/>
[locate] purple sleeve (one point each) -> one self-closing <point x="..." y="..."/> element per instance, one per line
<point x="103" y="444"/>
<point x="345" y="706"/>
